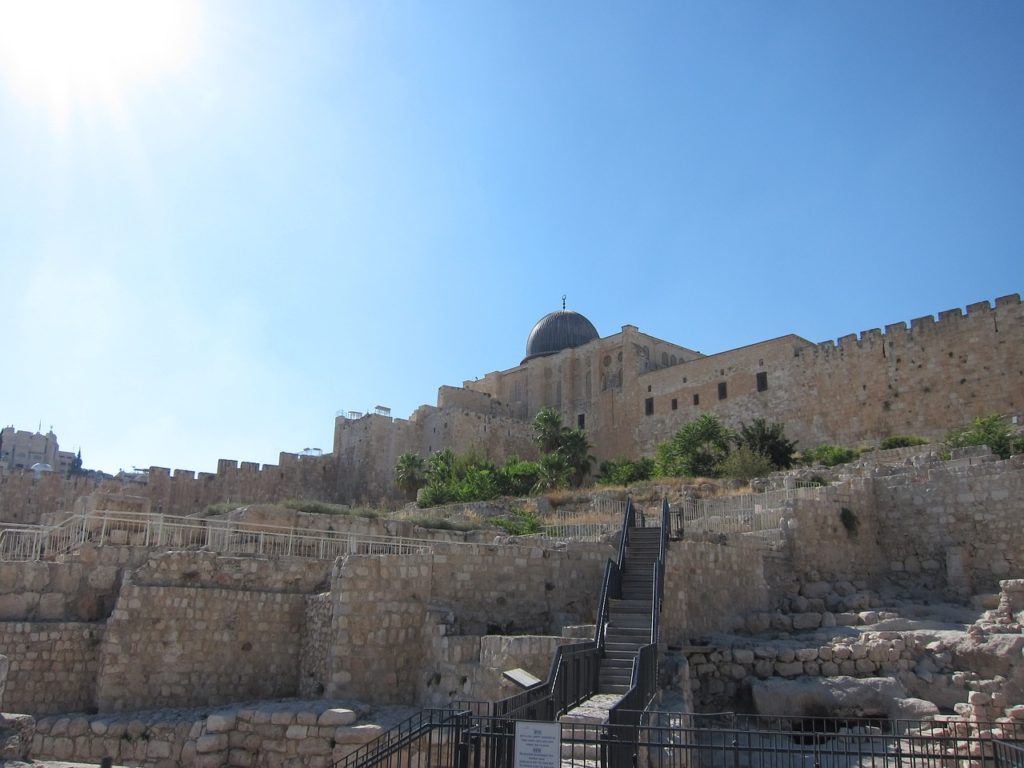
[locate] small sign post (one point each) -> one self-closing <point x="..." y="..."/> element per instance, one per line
<point x="538" y="745"/>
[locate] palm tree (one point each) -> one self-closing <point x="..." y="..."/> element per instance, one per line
<point x="410" y="472"/>
<point x="553" y="472"/>
<point x="548" y="430"/>
<point x="575" y="448"/>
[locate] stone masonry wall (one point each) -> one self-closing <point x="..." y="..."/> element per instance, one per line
<point x="379" y="614"/>
<point x="189" y="646"/>
<point x="53" y="666"/>
<point x="954" y="527"/>
<point x="709" y="587"/>
<point x="297" y="734"/>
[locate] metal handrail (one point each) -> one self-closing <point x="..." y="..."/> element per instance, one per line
<point x="155" y="530"/>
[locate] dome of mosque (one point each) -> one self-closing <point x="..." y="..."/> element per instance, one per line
<point x="559" y="330"/>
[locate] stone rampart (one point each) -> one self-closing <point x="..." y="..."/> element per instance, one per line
<point x="27" y="499"/>
<point x="53" y="665"/>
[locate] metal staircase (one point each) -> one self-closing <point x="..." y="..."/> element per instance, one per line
<point x="629" y="624"/>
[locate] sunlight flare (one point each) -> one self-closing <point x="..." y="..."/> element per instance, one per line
<point x="68" y="53"/>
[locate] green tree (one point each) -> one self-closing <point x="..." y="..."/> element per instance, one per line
<point x="553" y="472"/>
<point x="575" y="449"/>
<point x="696" y="450"/>
<point x="745" y="464"/>
<point x="518" y="477"/>
<point x="548" y="430"/>
<point x="625" y="471"/>
<point x="993" y="431"/>
<point x="410" y="472"/>
<point x="768" y="440"/>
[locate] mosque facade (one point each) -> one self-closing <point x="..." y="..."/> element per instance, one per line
<point x="630" y="390"/>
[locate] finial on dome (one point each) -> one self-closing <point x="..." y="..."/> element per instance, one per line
<point x="563" y="302"/>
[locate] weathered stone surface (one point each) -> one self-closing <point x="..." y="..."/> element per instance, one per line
<point x="838" y="696"/>
<point x="337" y="716"/>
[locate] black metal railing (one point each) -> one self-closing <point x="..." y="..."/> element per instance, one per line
<point x="611" y="587"/>
<point x="464" y="739"/>
<point x="1008" y="754"/>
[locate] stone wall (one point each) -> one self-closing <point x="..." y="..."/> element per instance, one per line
<point x="382" y="626"/>
<point x="302" y="734"/>
<point x="52" y="666"/>
<point x="81" y="587"/>
<point x="188" y="646"/>
<point x="955" y="526"/>
<point x="379" y="613"/>
<point x="709" y="588"/>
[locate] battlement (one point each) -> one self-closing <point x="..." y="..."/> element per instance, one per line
<point x="949" y="321"/>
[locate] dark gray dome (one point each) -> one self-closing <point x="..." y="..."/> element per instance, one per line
<point x="557" y="331"/>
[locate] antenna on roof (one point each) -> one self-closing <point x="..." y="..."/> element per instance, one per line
<point x="563" y="302"/>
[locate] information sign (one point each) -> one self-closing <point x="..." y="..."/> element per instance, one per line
<point x="538" y="745"/>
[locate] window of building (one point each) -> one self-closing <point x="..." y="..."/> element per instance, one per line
<point x="722" y="391"/>
<point x="696" y="399"/>
<point x="649" y="406"/>
<point x="675" y="404"/>
<point x="762" y="381"/>
<point x="581" y="421"/>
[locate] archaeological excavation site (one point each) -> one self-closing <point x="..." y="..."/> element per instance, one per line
<point x="862" y="612"/>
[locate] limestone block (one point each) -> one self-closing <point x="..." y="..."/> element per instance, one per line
<point x="806" y="621"/>
<point x="357" y="734"/>
<point x="789" y="669"/>
<point x="743" y="655"/>
<point x="296" y="732"/>
<point x="337" y="716"/>
<point x="211" y="742"/>
<point x="241" y="758"/>
<point x="807" y="654"/>
<point x="158" y="750"/>
<point x="221" y="722"/>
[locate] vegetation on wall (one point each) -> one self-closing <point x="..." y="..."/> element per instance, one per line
<point x="830" y="455"/>
<point x="994" y="431"/>
<point x="902" y="441"/>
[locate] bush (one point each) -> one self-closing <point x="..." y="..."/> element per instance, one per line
<point x="745" y="464"/>
<point x="523" y="523"/>
<point x="902" y="441"/>
<point x="768" y="440"/>
<point x="993" y="431"/>
<point x="696" y="450"/>
<point x="518" y="477"/>
<point x="850" y="522"/>
<point x="324" y="508"/>
<point x="830" y="455"/>
<point x="625" y="471"/>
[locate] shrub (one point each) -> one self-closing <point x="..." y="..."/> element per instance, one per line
<point x="830" y="455"/>
<point x="625" y="471"/>
<point x="850" y="522"/>
<point x="993" y="431"/>
<point x="523" y="523"/>
<point x="902" y="441"/>
<point x="696" y="450"/>
<point x="518" y="477"/>
<point x="324" y="508"/>
<point x="768" y="440"/>
<point x="745" y="464"/>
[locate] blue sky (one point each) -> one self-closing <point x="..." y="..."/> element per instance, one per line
<point x="324" y="206"/>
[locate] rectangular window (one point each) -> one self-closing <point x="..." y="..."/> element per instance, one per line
<point x="581" y="420"/>
<point x="762" y="381"/>
<point x="675" y="404"/>
<point x="649" y="406"/>
<point x="722" y="392"/>
<point x="696" y="399"/>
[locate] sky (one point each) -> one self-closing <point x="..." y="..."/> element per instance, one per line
<point x="221" y="223"/>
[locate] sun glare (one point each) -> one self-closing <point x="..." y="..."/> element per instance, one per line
<point x="81" y="53"/>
